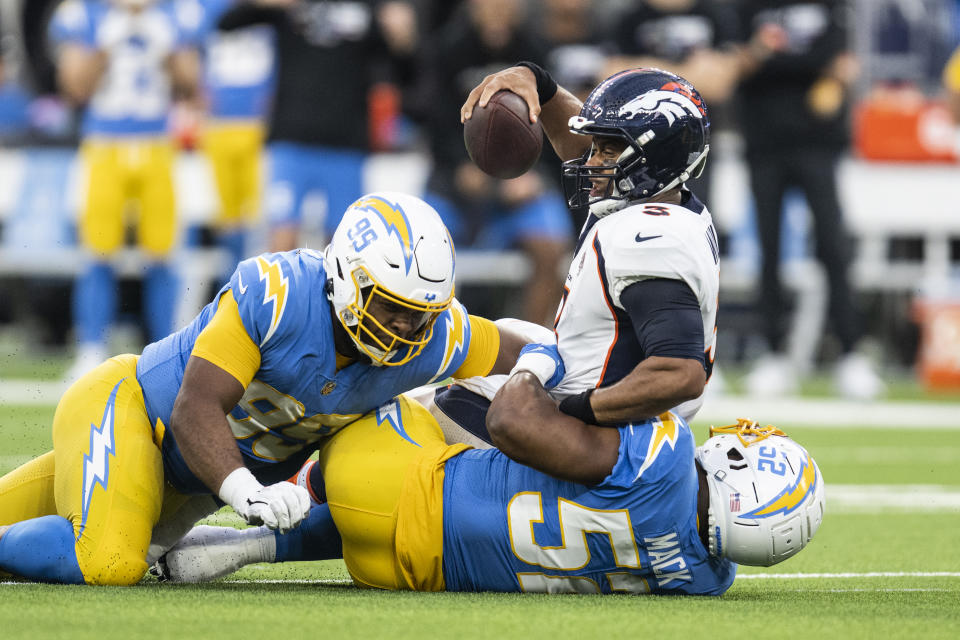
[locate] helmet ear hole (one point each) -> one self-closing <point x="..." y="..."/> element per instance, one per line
<point x="734" y="454"/>
<point x="364" y="295"/>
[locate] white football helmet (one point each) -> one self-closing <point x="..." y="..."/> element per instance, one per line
<point x="390" y="249"/>
<point x="766" y="494"/>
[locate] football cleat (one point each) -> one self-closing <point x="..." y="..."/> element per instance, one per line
<point x="207" y="553"/>
<point x="663" y="122"/>
<point x="766" y="494"/>
<point x="392" y="250"/>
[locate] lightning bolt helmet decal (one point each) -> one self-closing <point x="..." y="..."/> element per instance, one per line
<point x="395" y="220"/>
<point x="96" y="463"/>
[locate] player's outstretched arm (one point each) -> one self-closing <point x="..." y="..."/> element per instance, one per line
<point x="553" y="115"/>
<point x="655" y="386"/>
<point x="525" y="424"/>
<point x="514" y="336"/>
<point x="199" y="423"/>
<point x="79" y="71"/>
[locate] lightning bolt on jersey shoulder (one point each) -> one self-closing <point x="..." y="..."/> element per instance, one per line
<point x="273" y="287"/>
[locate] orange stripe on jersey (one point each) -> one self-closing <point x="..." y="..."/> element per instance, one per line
<point x="563" y="305"/>
<point x="606" y="297"/>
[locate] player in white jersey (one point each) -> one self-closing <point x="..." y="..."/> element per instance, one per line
<point x="636" y="326"/>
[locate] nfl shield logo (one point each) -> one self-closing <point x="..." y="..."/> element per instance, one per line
<point x="328" y="387"/>
<point x="734" y="502"/>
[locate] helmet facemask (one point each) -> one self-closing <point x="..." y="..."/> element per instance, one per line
<point x="391" y="267"/>
<point x="584" y="183"/>
<point x="372" y="337"/>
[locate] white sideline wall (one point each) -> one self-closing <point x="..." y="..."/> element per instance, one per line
<point x="880" y="200"/>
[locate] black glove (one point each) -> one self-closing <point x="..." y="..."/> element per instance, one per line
<point x="578" y="406"/>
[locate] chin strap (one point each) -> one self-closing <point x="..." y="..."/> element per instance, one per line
<point x="745" y="429"/>
<point x="604" y="208"/>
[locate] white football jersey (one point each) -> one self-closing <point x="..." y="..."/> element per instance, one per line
<point x="595" y="336"/>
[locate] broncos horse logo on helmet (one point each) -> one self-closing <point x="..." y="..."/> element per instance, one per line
<point x="663" y="122"/>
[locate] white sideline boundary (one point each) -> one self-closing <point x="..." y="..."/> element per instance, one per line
<point x="818" y="413"/>
<point x="869" y="574"/>
<point x="829" y="413"/>
<point x="749" y="576"/>
<point x="884" y="498"/>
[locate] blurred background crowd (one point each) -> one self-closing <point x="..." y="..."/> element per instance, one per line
<point x="148" y="145"/>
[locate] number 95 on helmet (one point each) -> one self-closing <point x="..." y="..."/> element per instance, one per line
<point x="766" y="494"/>
<point x="390" y="269"/>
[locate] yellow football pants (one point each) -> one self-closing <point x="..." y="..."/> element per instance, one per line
<point x="375" y="479"/>
<point x="121" y="173"/>
<point x="235" y="153"/>
<point x="104" y="475"/>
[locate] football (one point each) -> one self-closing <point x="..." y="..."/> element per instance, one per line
<point x="500" y="138"/>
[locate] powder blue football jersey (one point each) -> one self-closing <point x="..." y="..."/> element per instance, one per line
<point x="297" y="397"/>
<point x="133" y="97"/>
<point x="239" y="69"/>
<point x="507" y="527"/>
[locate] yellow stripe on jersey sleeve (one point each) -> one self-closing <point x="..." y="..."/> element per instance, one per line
<point x="483" y="350"/>
<point x="951" y="73"/>
<point x="226" y="343"/>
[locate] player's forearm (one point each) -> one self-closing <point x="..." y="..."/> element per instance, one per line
<point x="79" y="72"/>
<point x="511" y="342"/>
<point x="953" y="105"/>
<point x="656" y="385"/>
<point x="554" y="116"/>
<point x="525" y="424"/>
<point x="199" y="421"/>
<point x="185" y="73"/>
<point x="205" y="441"/>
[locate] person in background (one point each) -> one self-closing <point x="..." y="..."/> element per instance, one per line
<point x="574" y="31"/>
<point x="696" y="39"/>
<point x="329" y="55"/>
<point x="794" y="123"/>
<point x="481" y="211"/>
<point x="124" y="61"/>
<point x="238" y="86"/>
<point x="14" y="106"/>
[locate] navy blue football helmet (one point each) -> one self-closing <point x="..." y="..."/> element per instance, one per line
<point x="663" y="122"/>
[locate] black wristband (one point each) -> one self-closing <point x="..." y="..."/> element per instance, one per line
<point x="578" y="406"/>
<point x="546" y="85"/>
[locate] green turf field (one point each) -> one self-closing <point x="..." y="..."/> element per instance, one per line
<point x="886" y="562"/>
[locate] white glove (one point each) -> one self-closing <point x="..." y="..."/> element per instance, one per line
<point x="279" y="506"/>
<point x="543" y="361"/>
